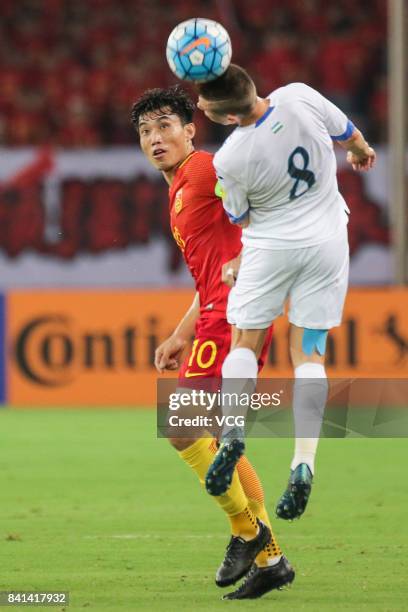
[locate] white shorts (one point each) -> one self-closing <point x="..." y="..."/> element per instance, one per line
<point x="314" y="279"/>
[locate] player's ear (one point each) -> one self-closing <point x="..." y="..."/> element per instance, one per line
<point x="190" y="130"/>
<point x="232" y="120"/>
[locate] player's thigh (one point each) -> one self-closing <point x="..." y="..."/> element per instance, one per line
<point x="209" y="349"/>
<point x="201" y="371"/>
<point x="318" y="294"/>
<point x="263" y="283"/>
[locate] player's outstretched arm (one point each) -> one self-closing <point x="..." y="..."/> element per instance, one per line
<point x="168" y="355"/>
<point x="359" y="153"/>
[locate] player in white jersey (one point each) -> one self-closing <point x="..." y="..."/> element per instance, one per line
<point x="277" y="173"/>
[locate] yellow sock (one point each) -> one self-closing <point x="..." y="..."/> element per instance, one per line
<point x="234" y="502"/>
<point x="272" y="550"/>
<point x="253" y="489"/>
<point x="244" y="524"/>
<point x="250" y="480"/>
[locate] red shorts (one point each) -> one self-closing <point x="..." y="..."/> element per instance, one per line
<point x="211" y="345"/>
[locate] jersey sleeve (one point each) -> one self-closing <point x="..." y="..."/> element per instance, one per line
<point x="233" y="195"/>
<point x="337" y="123"/>
<point x="201" y="175"/>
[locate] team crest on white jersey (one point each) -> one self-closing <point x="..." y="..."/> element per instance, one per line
<point x="277" y="127"/>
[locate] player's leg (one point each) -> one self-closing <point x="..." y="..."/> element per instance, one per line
<point x="307" y="349"/>
<point x="252" y="484"/>
<point x="248" y="535"/>
<point x="309" y="399"/>
<point x="317" y="301"/>
<point x="239" y="374"/>
<point x="198" y="454"/>
<point x="256" y="300"/>
<point x="271" y="569"/>
<point x="253" y="489"/>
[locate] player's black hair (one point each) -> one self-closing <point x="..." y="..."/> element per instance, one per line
<point x="173" y="98"/>
<point x="232" y="93"/>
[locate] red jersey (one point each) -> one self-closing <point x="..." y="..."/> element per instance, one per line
<point x="202" y="230"/>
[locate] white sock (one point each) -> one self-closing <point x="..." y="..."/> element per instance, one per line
<point x="309" y="400"/>
<point x="239" y="373"/>
<point x="274" y="560"/>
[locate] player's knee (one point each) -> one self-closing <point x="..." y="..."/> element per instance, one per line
<point x="252" y="339"/>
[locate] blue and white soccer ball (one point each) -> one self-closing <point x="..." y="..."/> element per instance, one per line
<point x="199" y="50"/>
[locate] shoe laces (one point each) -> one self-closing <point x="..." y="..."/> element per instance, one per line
<point x="234" y="549"/>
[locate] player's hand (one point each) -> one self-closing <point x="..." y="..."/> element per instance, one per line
<point x="168" y="355"/>
<point x="362" y="162"/>
<point x="229" y="271"/>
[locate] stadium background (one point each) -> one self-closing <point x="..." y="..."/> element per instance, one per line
<point x="91" y="281"/>
<point x="82" y="210"/>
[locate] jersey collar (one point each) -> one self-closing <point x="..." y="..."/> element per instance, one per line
<point x="264" y="116"/>
<point x="261" y="119"/>
<point x="186" y="160"/>
<point x="183" y="163"/>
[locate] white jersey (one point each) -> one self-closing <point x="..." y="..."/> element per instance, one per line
<point x="282" y="170"/>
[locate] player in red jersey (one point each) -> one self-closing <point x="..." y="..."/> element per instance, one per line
<point x="163" y="120"/>
<point x="206" y="239"/>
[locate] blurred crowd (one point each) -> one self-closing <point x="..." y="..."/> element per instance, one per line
<point x="101" y="215"/>
<point x="71" y="69"/>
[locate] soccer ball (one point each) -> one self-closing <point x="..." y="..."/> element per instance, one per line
<point x="199" y="50"/>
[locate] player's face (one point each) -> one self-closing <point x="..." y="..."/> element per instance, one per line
<point x="208" y="109"/>
<point x="164" y="140"/>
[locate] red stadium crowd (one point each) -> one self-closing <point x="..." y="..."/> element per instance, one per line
<point x="70" y="70"/>
<point x="107" y="215"/>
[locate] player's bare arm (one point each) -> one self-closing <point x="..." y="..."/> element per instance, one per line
<point x="168" y="355"/>
<point x="359" y="153"/>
